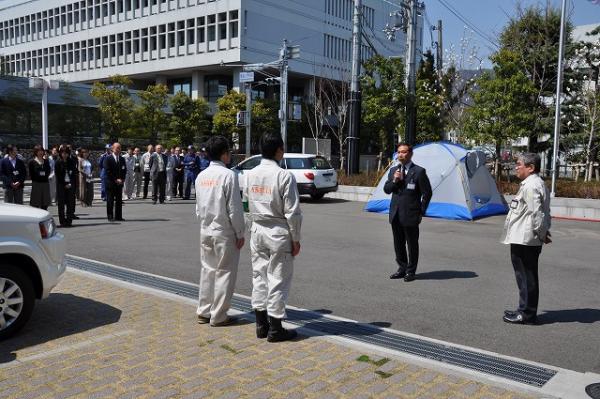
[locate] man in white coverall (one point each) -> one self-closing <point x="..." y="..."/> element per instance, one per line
<point x="274" y="207"/>
<point x="221" y="215"/>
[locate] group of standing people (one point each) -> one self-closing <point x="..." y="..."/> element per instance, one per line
<point x="58" y="176"/>
<point x="171" y="172"/>
<point x="271" y="200"/>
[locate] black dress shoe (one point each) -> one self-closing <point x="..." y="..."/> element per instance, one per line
<point x="111" y="219"/>
<point x="398" y="275"/>
<point x="120" y="219"/>
<point x="74" y="217"/>
<point x="509" y="312"/>
<point x="409" y="277"/>
<point x="518" y="318"/>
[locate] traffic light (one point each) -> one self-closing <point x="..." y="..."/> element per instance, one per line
<point x="273" y="81"/>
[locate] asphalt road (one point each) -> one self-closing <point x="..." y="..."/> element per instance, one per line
<point x="465" y="279"/>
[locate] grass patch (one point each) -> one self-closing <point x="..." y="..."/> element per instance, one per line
<point x="367" y="359"/>
<point x="383" y="374"/>
<point x="207" y="342"/>
<point x="230" y="349"/>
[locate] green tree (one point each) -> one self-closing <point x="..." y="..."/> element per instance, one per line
<point x="264" y="117"/>
<point x="151" y="118"/>
<point x="115" y="106"/>
<point x="225" y="119"/>
<point x="430" y="102"/>
<point x="189" y="121"/>
<point x="583" y="107"/>
<point x="497" y="114"/>
<point x="383" y="104"/>
<point x="533" y="35"/>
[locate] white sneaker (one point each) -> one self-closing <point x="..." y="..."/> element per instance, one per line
<point x="168" y="198"/>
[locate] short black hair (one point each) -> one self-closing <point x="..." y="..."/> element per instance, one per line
<point x="410" y="148"/>
<point x="217" y="146"/>
<point x="10" y="148"/>
<point x="269" y="144"/>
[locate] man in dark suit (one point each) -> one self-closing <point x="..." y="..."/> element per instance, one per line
<point x="116" y="170"/>
<point x="158" y="173"/>
<point x="13" y="173"/>
<point x="177" y="187"/>
<point x="411" y="192"/>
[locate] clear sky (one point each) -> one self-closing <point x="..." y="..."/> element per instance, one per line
<point x="489" y="17"/>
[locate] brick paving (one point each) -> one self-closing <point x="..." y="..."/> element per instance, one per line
<point x="96" y="339"/>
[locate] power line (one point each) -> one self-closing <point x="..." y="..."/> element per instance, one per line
<point x="469" y="24"/>
<point x="429" y="27"/>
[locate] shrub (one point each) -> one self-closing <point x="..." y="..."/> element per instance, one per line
<point x="369" y="179"/>
<point x="564" y="188"/>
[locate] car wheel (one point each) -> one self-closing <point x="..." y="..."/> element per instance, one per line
<point x="16" y="300"/>
<point x="317" y="196"/>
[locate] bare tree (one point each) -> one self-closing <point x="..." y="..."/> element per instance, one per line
<point x="313" y="109"/>
<point x="335" y="95"/>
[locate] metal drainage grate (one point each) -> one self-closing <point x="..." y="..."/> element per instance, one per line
<point x="493" y="365"/>
<point x="593" y="390"/>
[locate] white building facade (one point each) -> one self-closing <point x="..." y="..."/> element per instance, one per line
<point x="196" y="46"/>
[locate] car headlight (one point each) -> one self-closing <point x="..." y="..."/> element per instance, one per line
<point x="47" y="228"/>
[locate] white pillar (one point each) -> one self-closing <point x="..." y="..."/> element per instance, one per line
<point x="197" y="85"/>
<point x="45" y="116"/>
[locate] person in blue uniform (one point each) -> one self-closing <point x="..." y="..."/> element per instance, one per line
<point x="192" y="168"/>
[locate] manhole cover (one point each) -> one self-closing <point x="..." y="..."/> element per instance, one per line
<point x="593" y="390"/>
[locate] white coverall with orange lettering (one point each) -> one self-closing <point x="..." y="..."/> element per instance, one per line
<point x="274" y="207"/>
<point x="221" y="215"/>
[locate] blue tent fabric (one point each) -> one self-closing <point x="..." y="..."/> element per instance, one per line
<point x="458" y="193"/>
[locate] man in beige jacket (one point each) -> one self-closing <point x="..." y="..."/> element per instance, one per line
<point x="526" y="229"/>
<point x="219" y="210"/>
<point x="274" y="209"/>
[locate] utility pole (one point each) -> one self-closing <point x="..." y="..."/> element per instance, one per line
<point x="354" y="104"/>
<point x="248" y="117"/>
<point x="283" y="91"/>
<point x="561" y="50"/>
<point x="411" y="73"/>
<point x="440" y="50"/>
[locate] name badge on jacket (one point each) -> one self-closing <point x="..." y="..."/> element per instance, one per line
<point x="42" y="173"/>
<point x="410" y="186"/>
<point x="16" y="172"/>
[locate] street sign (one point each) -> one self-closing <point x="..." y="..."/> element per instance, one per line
<point x="246" y="77"/>
<point x="242" y="118"/>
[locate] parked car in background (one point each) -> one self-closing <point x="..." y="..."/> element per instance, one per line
<point x="314" y="175"/>
<point x="31" y="262"/>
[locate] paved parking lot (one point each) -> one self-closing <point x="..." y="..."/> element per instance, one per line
<point x="95" y="339"/>
<point x="465" y="277"/>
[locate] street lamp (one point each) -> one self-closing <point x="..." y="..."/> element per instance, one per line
<point x="39" y="83"/>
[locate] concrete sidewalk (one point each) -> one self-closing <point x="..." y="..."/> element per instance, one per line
<point x="97" y="338"/>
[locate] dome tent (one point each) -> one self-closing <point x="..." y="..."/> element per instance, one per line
<point x="463" y="188"/>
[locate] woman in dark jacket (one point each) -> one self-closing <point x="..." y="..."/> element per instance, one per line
<point x="39" y="171"/>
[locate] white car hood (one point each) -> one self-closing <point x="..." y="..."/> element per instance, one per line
<point x="21" y="213"/>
